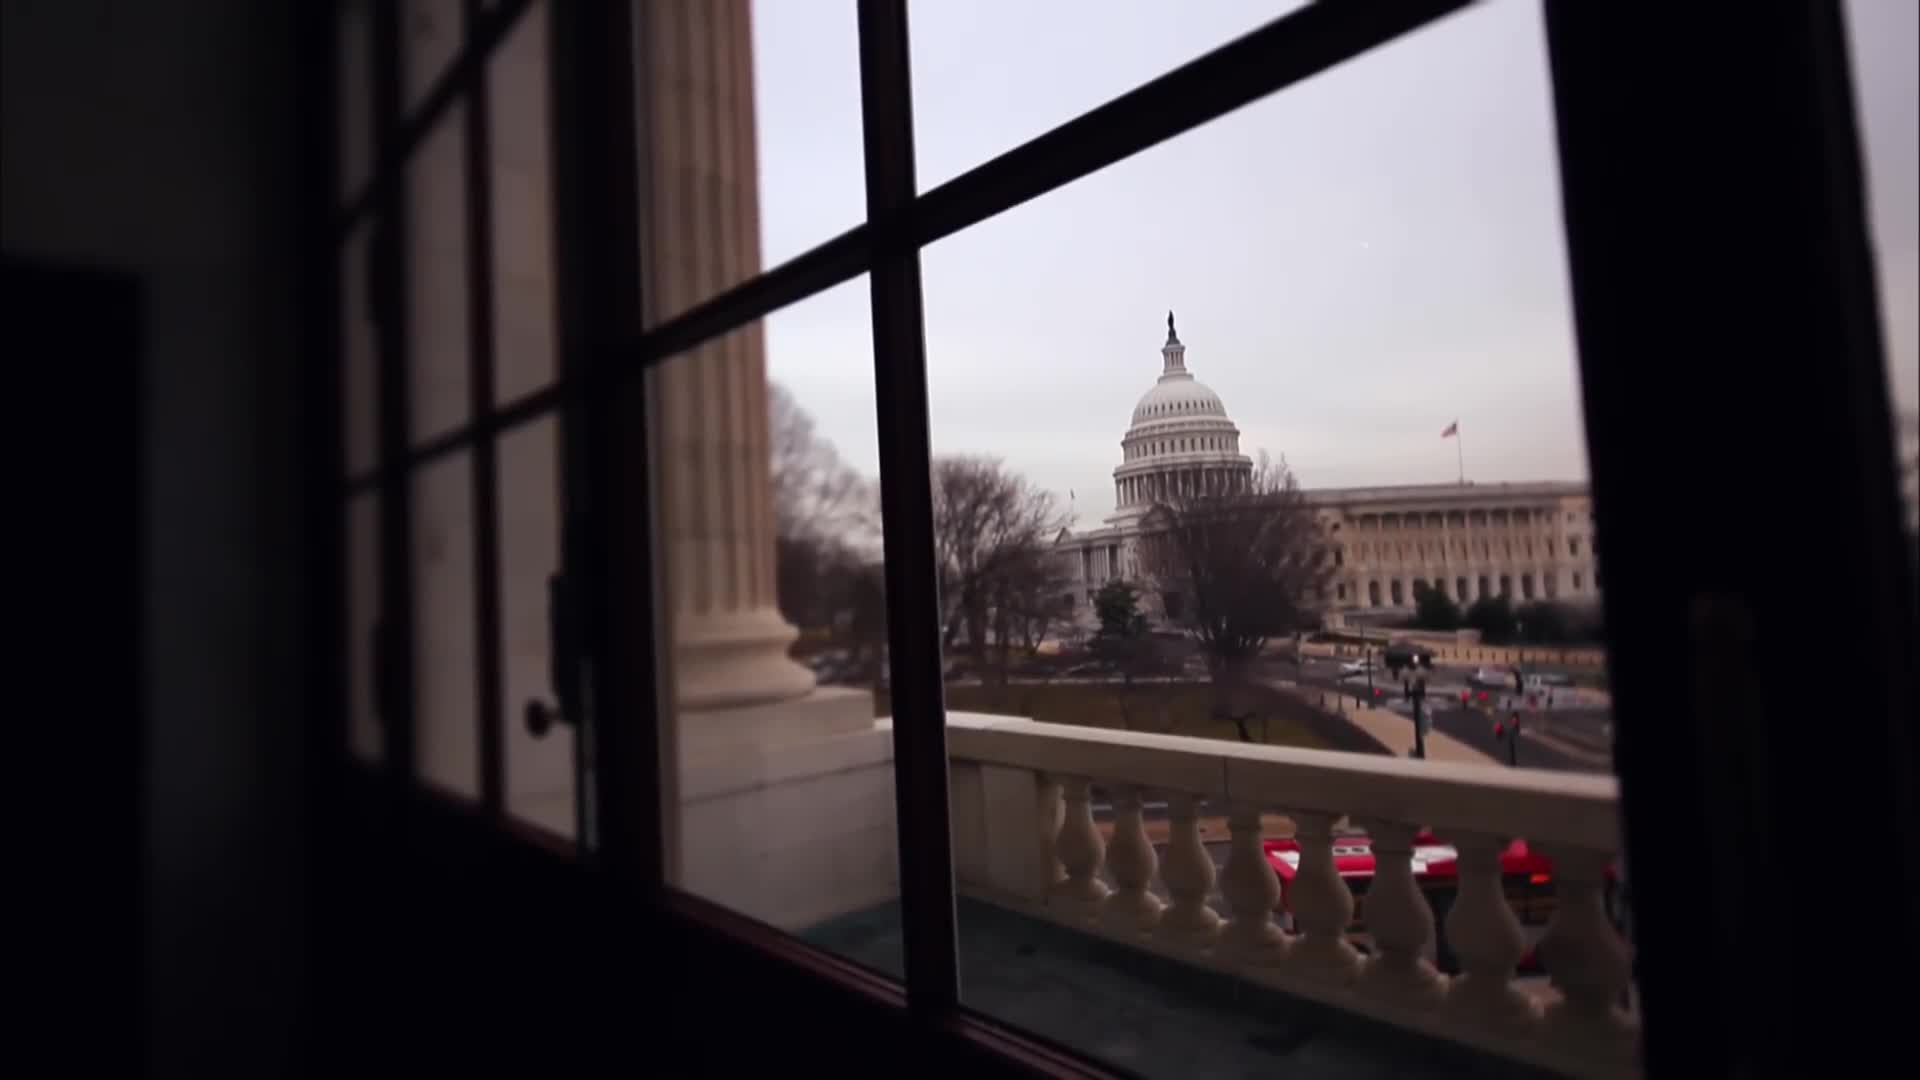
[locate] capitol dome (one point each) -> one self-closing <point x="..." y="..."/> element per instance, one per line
<point x="1180" y="439"/>
<point x="1178" y="395"/>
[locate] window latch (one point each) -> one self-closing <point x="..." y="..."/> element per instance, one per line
<point x="563" y="657"/>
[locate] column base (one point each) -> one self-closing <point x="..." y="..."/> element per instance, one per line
<point x="723" y="662"/>
<point x="787" y="810"/>
<point x="743" y="738"/>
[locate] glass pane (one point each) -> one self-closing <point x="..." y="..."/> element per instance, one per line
<point x="355" y="97"/>
<point x="989" y="76"/>
<point x="772" y="567"/>
<point x="730" y="192"/>
<point x="1885" y="61"/>
<point x="359" y="359"/>
<point x="363" y="613"/>
<point x="445" y="705"/>
<point x="517" y="99"/>
<point x="539" y="769"/>
<point x="1182" y="547"/>
<point x="430" y="34"/>
<point x="806" y="92"/>
<point x="436" y="282"/>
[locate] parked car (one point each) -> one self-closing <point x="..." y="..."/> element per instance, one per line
<point x="1406" y="654"/>
<point x="1355" y="667"/>
<point x="1490" y="678"/>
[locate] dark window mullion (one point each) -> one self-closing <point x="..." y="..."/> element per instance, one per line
<point x="386" y="278"/>
<point x="399" y="135"/>
<point x="1721" y="278"/>
<point x="521" y="410"/>
<point x="489" y="714"/>
<point x="906" y="502"/>
<point x="605" y="468"/>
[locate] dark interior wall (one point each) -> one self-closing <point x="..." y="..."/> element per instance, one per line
<point x="161" y="139"/>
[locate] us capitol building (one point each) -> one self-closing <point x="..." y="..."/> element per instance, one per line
<point x="1531" y="541"/>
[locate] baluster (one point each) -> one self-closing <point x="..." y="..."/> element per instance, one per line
<point x="1053" y="815"/>
<point x="1486" y="937"/>
<point x="1587" y="961"/>
<point x="1189" y="874"/>
<point x="1252" y="889"/>
<point x="1322" y="905"/>
<point x="1132" y="907"/>
<point x="1401" y="923"/>
<point x="1081" y="851"/>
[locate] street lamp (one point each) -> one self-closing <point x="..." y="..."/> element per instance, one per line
<point x="1513" y="719"/>
<point x="1418" y="694"/>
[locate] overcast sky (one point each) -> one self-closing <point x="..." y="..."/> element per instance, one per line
<point x="1355" y="261"/>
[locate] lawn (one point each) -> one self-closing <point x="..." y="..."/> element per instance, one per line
<point x="1172" y="708"/>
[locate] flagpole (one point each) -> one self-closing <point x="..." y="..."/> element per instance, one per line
<point x="1460" y="453"/>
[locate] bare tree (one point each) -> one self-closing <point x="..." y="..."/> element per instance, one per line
<point x="1028" y="596"/>
<point x="815" y="493"/>
<point x="993" y="537"/>
<point x="825" y="520"/>
<point x="1237" y="563"/>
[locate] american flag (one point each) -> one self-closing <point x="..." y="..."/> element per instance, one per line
<point x="1452" y="430"/>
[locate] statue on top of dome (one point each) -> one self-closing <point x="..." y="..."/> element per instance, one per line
<point x="1170" y="334"/>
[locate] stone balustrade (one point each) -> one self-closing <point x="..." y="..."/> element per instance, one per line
<point x="1025" y="836"/>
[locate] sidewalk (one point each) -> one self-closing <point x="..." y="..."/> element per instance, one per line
<point x="1389" y="729"/>
<point x="1395" y="732"/>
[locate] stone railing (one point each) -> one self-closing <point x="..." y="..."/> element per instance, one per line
<point x="1025" y="836"/>
<point x="1476" y="653"/>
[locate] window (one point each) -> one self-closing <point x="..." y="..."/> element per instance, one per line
<point x="1576" y="581"/>
<point x="1880" y="39"/>
<point x="455" y="502"/>
<point x="1573" y="546"/>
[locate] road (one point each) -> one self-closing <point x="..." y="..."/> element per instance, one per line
<point x="1569" y="738"/>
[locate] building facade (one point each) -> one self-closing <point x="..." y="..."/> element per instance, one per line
<point x="1529" y="541"/>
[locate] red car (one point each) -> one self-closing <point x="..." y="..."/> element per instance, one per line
<point x="1527" y="876"/>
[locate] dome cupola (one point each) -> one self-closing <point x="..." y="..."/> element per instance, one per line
<point x="1180" y="437"/>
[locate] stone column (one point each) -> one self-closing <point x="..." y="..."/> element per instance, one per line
<point x="700" y="230"/>
<point x="784" y="790"/>
<point x="700" y="235"/>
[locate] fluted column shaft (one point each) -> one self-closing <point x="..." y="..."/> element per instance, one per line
<point x="700" y="235"/>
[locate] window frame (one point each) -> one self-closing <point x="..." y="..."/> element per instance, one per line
<point x="603" y="349"/>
